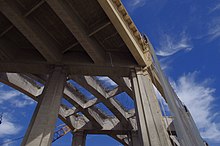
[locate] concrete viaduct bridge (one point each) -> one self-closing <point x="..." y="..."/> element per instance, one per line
<point x="46" y="44"/>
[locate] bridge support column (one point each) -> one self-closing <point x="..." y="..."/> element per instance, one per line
<point x="134" y="139"/>
<point x="41" y="127"/>
<point x="79" y="138"/>
<point x="151" y="128"/>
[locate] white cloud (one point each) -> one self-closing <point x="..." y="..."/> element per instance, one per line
<point x="106" y="82"/>
<point x="14" y="97"/>
<point x="199" y="98"/>
<point x="7" y="95"/>
<point x="8" y="127"/>
<point x="133" y="4"/>
<point x="214" y="29"/>
<point x="21" y="103"/>
<point x="217" y="7"/>
<point x="6" y="142"/>
<point x="170" y="45"/>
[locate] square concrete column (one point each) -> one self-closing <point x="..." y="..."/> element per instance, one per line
<point x="41" y="128"/>
<point x="152" y="131"/>
<point x="134" y="138"/>
<point x="79" y="138"/>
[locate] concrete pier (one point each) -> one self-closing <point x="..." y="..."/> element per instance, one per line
<point x="41" y="127"/>
<point x="149" y="118"/>
<point x="79" y="138"/>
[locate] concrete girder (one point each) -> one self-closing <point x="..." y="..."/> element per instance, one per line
<point x="76" y="98"/>
<point x="74" y="122"/>
<point x="124" y="83"/>
<point x="89" y="112"/>
<point x="91" y="103"/>
<point x="71" y="95"/>
<point x="100" y="28"/>
<point x="71" y="20"/>
<point x="24" y="85"/>
<point x="21" y="84"/>
<point x="6" y="30"/>
<point x="43" y="68"/>
<point x="122" y="138"/>
<point x="123" y="29"/>
<point x="36" y="35"/>
<point x="114" y="92"/>
<point x="98" y="91"/>
<point x="6" y="50"/>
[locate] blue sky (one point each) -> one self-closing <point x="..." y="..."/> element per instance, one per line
<point x="186" y="37"/>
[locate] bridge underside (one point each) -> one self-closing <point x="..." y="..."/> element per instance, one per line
<point x="51" y="48"/>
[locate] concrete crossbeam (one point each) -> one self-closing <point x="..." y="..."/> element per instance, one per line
<point x="26" y="86"/>
<point x="77" y="99"/>
<point x="122" y="138"/>
<point x="6" y="50"/>
<point x="36" y="35"/>
<point x="71" y="95"/>
<point x="123" y="29"/>
<point x="98" y="91"/>
<point x="31" y="89"/>
<point x="124" y="84"/>
<point x="71" y="20"/>
<point x="43" y="68"/>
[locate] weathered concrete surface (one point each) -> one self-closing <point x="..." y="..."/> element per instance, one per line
<point x="79" y="138"/>
<point x="149" y="117"/>
<point x="40" y="130"/>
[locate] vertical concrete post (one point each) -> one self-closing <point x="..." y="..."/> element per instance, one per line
<point x="134" y="139"/>
<point x="151" y="128"/>
<point x="41" y="127"/>
<point x="79" y="138"/>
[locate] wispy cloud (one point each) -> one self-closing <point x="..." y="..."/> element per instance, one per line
<point x="214" y="29"/>
<point x="106" y="82"/>
<point x="14" y="97"/>
<point x="22" y="103"/>
<point x="171" y="44"/>
<point x="7" y="95"/>
<point x="199" y="98"/>
<point x="8" y="127"/>
<point x="6" y="142"/>
<point x="134" y="4"/>
<point x="215" y="8"/>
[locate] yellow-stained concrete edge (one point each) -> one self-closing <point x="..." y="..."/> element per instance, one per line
<point x="123" y="23"/>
